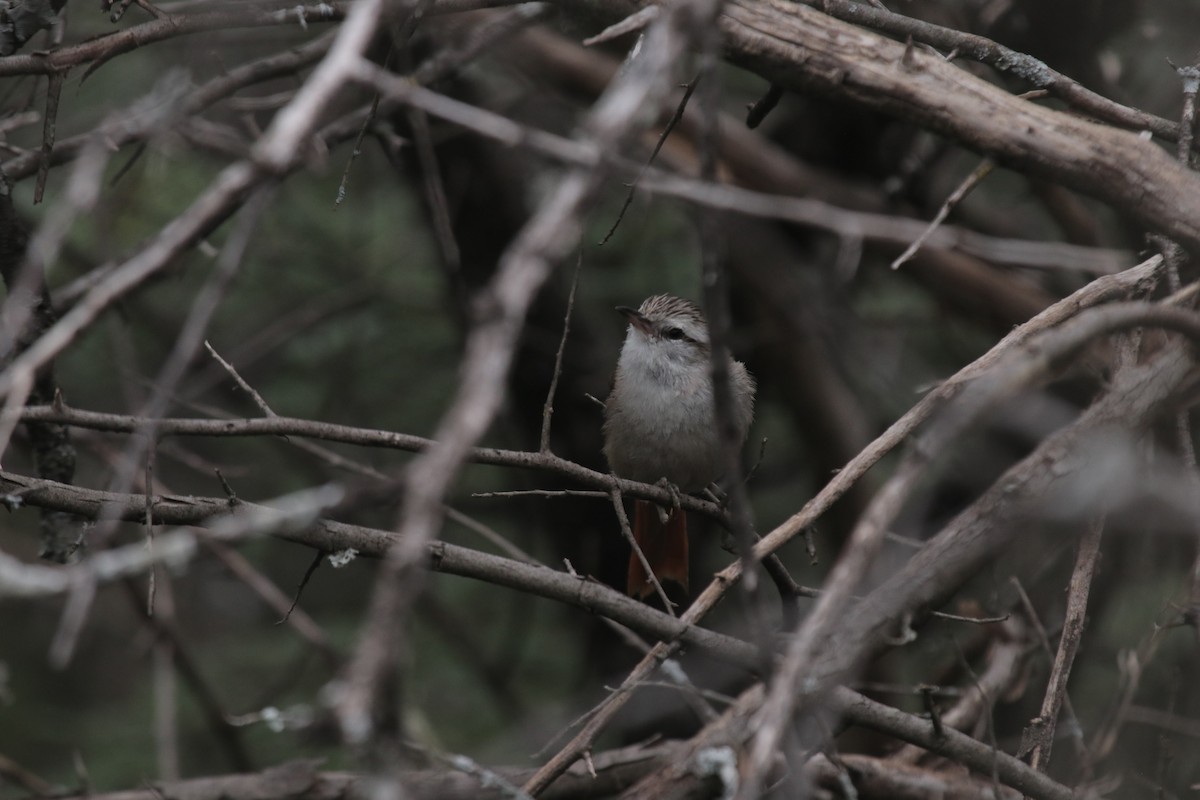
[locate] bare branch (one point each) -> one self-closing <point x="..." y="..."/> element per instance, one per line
<point x="548" y="406"/>
<point x="802" y="49"/>
<point x="970" y="182"/>
<point x="1035" y="72"/>
<point x="366" y="437"/>
<point x="1056" y="688"/>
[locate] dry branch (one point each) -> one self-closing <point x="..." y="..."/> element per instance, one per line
<point x="804" y="50"/>
<point x="229" y="17"/>
<point x="1031" y="70"/>
<point x="977" y="534"/>
<point x="329" y="536"/>
<point x="301" y="780"/>
<point x="106" y="47"/>
<point x="1043" y="727"/>
<point x="365" y="437"/>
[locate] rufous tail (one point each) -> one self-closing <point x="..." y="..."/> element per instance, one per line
<point x="665" y="548"/>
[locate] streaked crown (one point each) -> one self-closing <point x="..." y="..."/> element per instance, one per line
<point x="663" y="306"/>
<point x="672" y="315"/>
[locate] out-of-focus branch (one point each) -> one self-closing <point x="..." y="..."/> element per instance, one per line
<point x="204" y="96"/>
<point x="677" y="779"/>
<point x="26" y="290"/>
<point x="301" y="780"/>
<point x="887" y="229"/>
<point x="876" y="228"/>
<point x="33" y="580"/>
<point x="811" y="642"/>
<point x="1006" y="662"/>
<point x="278" y="151"/>
<point x="802" y="49"/>
<point x="874" y="777"/>
<point x="170" y="27"/>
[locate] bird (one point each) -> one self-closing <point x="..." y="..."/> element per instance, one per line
<point x="660" y="426"/>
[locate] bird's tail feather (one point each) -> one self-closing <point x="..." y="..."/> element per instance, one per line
<point x="665" y="548"/>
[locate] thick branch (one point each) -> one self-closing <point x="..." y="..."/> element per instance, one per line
<point x="1036" y="73"/>
<point x="802" y="49"/>
<point x="807" y="51"/>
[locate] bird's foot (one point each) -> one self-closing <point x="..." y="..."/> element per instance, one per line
<point x="664" y="514"/>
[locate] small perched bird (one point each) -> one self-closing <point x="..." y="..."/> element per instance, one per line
<point x="659" y="425"/>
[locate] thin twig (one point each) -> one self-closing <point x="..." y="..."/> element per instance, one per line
<point x="240" y="381"/>
<point x="1074" y="729"/>
<point x="355" y="151"/>
<point x="758" y="111"/>
<point x="627" y="532"/>
<point x="166" y="702"/>
<point x="715" y="283"/>
<point x="367" y="437"/>
<point x="308" y="573"/>
<point x="49" y="128"/>
<point x="970" y="182"/>
<point x="545" y="493"/>
<point x="988" y="717"/>
<point x="151" y="583"/>
<point x="300" y="622"/>
<point x="935" y="714"/>
<point x="1077" y="597"/>
<point x="435" y="191"/>
<point x="688" y="88"/>
<point x="548" y="406"/>
<point x="631" y="24"/>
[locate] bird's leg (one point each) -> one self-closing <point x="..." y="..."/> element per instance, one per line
<point x="664" y="514"/>
<point x="716" y="494"/>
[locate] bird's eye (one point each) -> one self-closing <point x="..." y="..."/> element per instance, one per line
<point x="674" y="333"/>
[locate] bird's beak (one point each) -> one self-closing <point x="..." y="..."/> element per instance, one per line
<point x="636" y="319"/>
